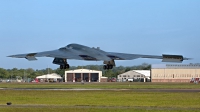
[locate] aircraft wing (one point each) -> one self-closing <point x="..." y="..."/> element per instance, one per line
<point x="54" y="54"/>
<point x="164" y="57"/>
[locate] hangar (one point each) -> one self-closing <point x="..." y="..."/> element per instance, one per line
<point x="49" y="77"/>
<point x="85" y="75"/>
<point x="174" y="72"/>
<point x="135" y="75"/>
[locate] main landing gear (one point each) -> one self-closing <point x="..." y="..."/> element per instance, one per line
<point x="66" y="66"/>
<point x="107" y="67"/>
<point x="62" y="62"/>
<point x="109" y="64"/>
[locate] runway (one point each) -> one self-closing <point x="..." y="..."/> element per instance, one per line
<point x="136" y="90"/>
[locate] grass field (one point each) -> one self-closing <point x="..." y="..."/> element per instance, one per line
<point x="117" y="85"/>
<point x="100" y="101"/>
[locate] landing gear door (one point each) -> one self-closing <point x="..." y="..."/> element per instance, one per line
<point x="59" y="61"/>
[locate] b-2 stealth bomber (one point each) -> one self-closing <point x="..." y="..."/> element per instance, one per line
<point x="81" y="52"/>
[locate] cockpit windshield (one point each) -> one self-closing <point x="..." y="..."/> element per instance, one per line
<point x="74" y="46"/>
<point x="69" y="46"/>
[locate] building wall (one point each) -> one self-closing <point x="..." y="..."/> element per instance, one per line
<point x="174" y="75"/>
<point x="80" y="74"/>
<point x="129" y="75"/>
<point x="104" y="79"/>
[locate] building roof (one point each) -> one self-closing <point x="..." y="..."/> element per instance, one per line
<point x="50" y="76"/>
<point x="143" y="72"/>
<point x="175" y="66"/>
<point x="83" y="70"/>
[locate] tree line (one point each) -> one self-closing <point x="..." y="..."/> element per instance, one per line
<point x="31" y="73"/>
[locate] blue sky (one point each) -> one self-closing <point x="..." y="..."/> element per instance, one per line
<point x="151" y="27"/>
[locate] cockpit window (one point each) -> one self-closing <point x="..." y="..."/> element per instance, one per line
<point x="63" y="48"/>
<point x="75" y="46"/>
<point x="69" y="46"/>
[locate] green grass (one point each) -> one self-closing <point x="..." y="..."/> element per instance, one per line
<point x="101" y="98"/>
<point x="117" y="85"/>
<point x="99" y="101"/>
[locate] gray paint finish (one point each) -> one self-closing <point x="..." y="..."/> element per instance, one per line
<point x="81" y="52"/>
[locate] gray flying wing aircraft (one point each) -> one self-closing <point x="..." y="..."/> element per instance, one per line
<point x="81" y="52"/>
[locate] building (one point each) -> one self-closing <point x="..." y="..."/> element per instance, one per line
<point x="174" y="72"/>
<point x="85" y="75"/>
<point x="135" y="75"/>
<point x="49" y="77"/>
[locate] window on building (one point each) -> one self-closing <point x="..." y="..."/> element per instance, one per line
<point x="124" y="75"/>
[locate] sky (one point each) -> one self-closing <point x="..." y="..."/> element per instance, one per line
<point x="152" y="27"/>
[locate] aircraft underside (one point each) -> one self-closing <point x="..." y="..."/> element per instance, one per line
<point x="64" y="65"/>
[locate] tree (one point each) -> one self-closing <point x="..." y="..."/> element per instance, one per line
<point x="31" y="73"/>
<point x="93" y="67"/>
<point x="109" y="73"/>
<point x="3" y="73"/>
<point x="127" y="69"/>
<point x="60" y="71"/>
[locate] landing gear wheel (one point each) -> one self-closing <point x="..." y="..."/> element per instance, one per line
<point x="67" y="66"/>
<point x="61" y="67"/>
<point x="64" y="66"/>
<point x="110" y="66"/>
<point x="105" y="67"/>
